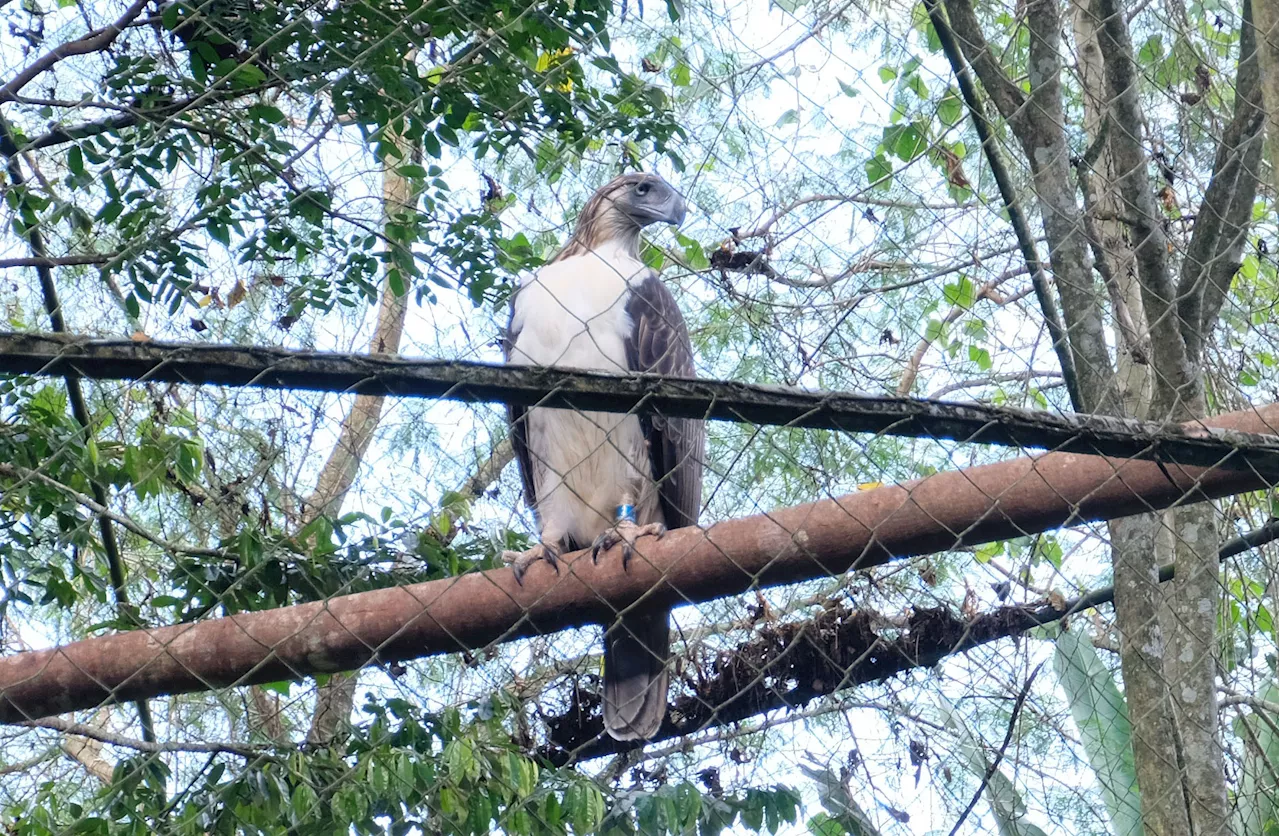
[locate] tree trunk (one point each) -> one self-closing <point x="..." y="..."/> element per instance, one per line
<point x="335" y="699"/>
<point x="1264" y="18"/>
<point x="1115" y="259"/>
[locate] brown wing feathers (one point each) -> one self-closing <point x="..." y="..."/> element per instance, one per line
<point x="659" y="343"/>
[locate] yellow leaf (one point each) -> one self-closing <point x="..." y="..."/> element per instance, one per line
<point x="870" y="486"/>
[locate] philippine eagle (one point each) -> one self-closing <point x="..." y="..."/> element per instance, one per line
<point x="596" y="478"/>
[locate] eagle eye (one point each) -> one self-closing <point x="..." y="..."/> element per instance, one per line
<point x="642" y="189"/>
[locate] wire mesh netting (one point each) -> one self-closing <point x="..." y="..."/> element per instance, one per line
<point x="791" y="417"/>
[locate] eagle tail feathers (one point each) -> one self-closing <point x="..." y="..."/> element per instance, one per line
<point x="636" y="650"/>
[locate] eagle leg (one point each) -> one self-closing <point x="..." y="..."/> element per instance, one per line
<point x="626" y="533"/>
<point x="521" y="561"/>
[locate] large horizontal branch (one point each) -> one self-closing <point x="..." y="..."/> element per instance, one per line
<point x="820" y="539"/>
<point x="277" y="368"/>
<point x="785" y="666"/>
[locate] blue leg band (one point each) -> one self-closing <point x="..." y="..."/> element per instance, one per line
<point x="626" y="512"/>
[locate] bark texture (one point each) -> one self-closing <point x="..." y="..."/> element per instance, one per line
<point x="1265" y="18"/>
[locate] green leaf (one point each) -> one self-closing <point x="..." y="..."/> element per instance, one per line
<point x="247" y="76"/>
<point x="951" y="109"/>
<point x="906" y="142"/>
<point x="791" y="117"/>
<point x="888" y="74"/>
<point x="959" y="293"/>
<point x="848" y="89"/>
<point x="109" y="212"/>
<point x="303" y="801"/>
<point x="1102" y="717"/>
<point x="267" y="113"/>
<point x="460" y="759"/>
<point x="1152" y="50"/>
<point x="693" y="252"/>
<point x="395" y="281"/>
<point x="75" y="160"/>
<point x="984" y="553"/>
<point x="846" y="814"/>
<point x="282" y="687"/>
<point x="584" y="806"/>
<point x="822" y="824"/>
<point x="879" y="171"/>
<point x="980" y="356"/>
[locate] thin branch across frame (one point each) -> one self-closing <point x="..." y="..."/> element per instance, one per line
<point x="276" y="368"/>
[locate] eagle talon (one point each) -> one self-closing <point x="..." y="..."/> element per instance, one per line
<point x="521" y="561"/>
<point x="626" y="533"/>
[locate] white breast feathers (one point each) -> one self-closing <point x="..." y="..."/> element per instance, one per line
<point x="572" y="313"/>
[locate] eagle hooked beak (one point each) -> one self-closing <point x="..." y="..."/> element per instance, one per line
<point x="653" y="200"/>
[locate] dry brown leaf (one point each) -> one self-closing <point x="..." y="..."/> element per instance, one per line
<point x="237" y="294"/>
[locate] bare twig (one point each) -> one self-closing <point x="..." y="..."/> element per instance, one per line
<point x="103" y="736"/>
<point x="995" y="762"/>
<point x="100" y="510"/>
<point x="999" y="377"/>
<point x="91" y="42"/>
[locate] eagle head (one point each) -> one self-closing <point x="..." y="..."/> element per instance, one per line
<point x="620" y="209"/>
<point x="644" y="199"/>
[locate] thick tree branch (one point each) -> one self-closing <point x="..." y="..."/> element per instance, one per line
<point x="1133" y="341"/>
<point x="836" y="649"/>
<point x="1113" y="252"/>
<point x="1223" y="220"/>
<point x="58" y="261"/>
<point x="276" y="368"/>
<point x="961" y="20"/>
<point x="1177" y="390"/>
<point x="1038" y="123"/>
<point x="1265" y="18"/>
<point x="489" y="470"/>
<point x="868" y="528"/>
<point x="1004" y="182"/>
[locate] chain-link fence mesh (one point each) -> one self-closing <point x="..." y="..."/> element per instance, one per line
<point x="259" y="589"/>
